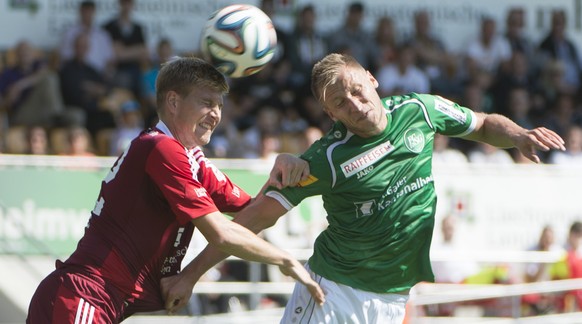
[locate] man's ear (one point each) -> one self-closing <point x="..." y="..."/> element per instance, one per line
<point x="172" y="101"/>
<point x="330" y="114"/>
<point x="373" y="80"/>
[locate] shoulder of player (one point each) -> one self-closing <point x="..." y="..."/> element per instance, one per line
<point x="412" y="98"/>
<point x="158" y="141"/>
<point x="320" y="155"/>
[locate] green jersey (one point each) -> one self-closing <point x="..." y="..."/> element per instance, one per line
<point x="379" y="195"/>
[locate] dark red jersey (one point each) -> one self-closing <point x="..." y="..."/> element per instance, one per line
<point x="141" y="225"/>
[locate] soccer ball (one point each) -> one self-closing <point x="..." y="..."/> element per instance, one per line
<point x="239" y="40"/>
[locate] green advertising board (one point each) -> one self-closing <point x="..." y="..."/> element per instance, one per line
<point x="44" y="208"/>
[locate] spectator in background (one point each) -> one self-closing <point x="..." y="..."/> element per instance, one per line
<point x="519" y="105"/>
<point x="164" y="52"/>
<point x="270" y="146"/>
<point x="488" y="51"/>
<point x="16" y="141"/>
<point x="452" y="271"/>
<point x="561" y="114"/>
<point x="306" y="46"/>
<point x="29" y="90"/>
<point x="550" y="86"/>
<point x="451" y="82"/>
<point x="83" y="88"/>
<point x="100" y="54"/>
<point x="535" y="272"/>
<point x="475" y="96"/>
<point x="80" y="142"/>
<point x="403" y="76"/>
<point x="557" y="46"/>
<point x="353" y="39"/>
<point x="516" y="75"/>
<point x="484" y="153"/>
<point x="430" y="50"/>
<point x="129" y="126"/>
<point x="573" y="154"/>
<point x="308" y="108"/>
<point x="38" y="143"/>
<point x="267" y="121"/>
<point x="444" y="154"/>
<point x="385" y="41"/>
<point x="130" y="48"/>
<point x="572" y="300"/>
<point x="515" y="35"/>
<point x="537" y="304"/>
<point x="268" y="7"/>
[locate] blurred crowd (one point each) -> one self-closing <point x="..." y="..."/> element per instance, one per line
<point x="95" y="92"/>
<point x="97" y="88"/>
<point x="462" y="268"/>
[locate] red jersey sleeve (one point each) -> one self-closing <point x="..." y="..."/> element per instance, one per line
<point x="190" y="183"/>
<point x="227" y="196"/>
<point x="169" y="166"/>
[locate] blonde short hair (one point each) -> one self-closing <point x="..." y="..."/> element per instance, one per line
<point x="325" y="72"/>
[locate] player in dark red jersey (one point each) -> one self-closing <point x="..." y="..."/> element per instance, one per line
<point x="156" y="193"/>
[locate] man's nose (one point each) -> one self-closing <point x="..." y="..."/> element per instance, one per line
<point x="355" y="104"/>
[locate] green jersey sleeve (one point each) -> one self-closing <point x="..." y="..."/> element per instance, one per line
<point x="320" y="178"/>
<point x="447" y="117"/>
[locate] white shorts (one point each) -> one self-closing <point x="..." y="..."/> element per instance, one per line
<point x="343" y="304"/>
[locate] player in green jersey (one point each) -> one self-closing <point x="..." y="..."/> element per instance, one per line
<point x="373" y="172"/>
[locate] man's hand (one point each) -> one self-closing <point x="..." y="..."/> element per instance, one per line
<point x="288" y="171"/>
<point x="539" y="138"/>
<point x="176" y="292"/>
<point x="295" y="270"/>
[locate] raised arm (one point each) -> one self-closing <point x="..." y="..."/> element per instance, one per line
<point x="500" y="131"/>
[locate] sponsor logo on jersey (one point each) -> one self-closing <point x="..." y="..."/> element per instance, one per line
<point x="365" y="208"/>
<point x="236" y="192"/>
<point x="414" y="140"/>
<point x="200" y="192"/>
<point x="447" y="107"/>
<point x="366" y="159"/>
<point x="179" y="236"/>
<point x="304" y="183"/>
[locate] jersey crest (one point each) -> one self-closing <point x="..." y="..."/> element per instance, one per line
<point x="414" y="140"/>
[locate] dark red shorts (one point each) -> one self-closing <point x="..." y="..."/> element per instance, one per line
<point x="64" y="297"/>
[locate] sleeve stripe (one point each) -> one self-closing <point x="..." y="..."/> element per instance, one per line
<point x="281" y="199"/>
<point x="329" y="159"/>
<point x="472" y="126"/>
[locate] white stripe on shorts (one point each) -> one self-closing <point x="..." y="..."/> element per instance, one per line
<point x="85" y="313"/>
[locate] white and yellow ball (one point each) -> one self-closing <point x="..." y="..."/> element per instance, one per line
<point x="239" y="40"/>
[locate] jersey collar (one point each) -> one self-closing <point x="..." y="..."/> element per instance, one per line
<point x="164" y="129"/>
<point x="161" y="126"/>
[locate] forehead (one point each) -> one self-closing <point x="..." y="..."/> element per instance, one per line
<point x="204" y="91"/>
<point x="347" y="79"/>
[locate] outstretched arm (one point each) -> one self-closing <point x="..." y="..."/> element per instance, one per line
<point x="500" y="131"/>
<point x="234" y="239"/>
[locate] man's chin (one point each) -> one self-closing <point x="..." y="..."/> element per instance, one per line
<point x="203" y="140"/>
